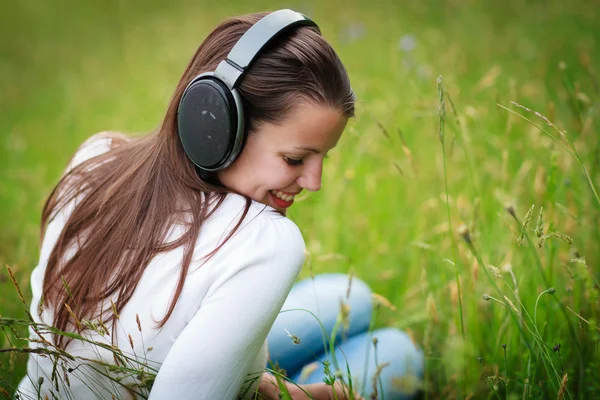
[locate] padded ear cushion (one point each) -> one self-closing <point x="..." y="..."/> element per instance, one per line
<point x="207" y="121"/>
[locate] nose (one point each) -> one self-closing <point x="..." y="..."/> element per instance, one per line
<point x="311" y="177"/>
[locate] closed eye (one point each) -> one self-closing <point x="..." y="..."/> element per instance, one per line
<point x="293" y="161"/>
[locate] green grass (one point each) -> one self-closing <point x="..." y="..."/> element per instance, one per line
<point x="72" y="69"/>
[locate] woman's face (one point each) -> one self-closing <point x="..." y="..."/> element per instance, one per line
<point x="280" y="160"/>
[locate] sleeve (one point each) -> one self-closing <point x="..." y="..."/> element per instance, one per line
<point x="253" y="276"/>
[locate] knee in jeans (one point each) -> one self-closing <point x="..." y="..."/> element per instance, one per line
<point x="397" y="348"/>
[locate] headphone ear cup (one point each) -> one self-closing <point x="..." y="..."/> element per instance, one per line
<point x="210" y="123"/>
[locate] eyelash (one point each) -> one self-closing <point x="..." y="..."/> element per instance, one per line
<point x="293" y="162"/>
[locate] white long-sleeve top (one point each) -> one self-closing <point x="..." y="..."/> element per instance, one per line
<point x="213" y="345"/>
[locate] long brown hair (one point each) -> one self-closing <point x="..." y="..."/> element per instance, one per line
<point x="128" y="198"/>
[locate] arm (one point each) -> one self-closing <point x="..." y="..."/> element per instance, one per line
<point x="253" y="274"/>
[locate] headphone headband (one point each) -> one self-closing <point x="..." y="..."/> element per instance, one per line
<point x="252" y="42"/>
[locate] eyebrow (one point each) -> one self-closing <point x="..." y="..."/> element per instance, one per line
<point x="307" y="149"/>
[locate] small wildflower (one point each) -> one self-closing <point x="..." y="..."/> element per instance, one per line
<point x="40" y="381"/>
<point x="407" y="43"/>
<point x="551" y="290"/>
<point x="328" y="377"/>
<point x="375" y="341"/>
<point x="295" y="339"/>
<point x="486" y="297"/>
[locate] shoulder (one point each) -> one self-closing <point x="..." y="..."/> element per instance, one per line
<point x="94" y="146"/>
<point x="262" y="233"/>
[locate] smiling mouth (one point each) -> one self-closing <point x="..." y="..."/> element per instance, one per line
<point x="282" y="199"/>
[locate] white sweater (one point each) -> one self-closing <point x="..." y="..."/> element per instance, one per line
<point x="216" y="335"/>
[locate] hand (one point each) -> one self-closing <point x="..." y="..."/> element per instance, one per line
<point x="321" y="391"/>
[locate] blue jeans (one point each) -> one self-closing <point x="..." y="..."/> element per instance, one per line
<point x="354" y="346"/>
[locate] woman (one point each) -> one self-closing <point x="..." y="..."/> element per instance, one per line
<point x="187" y="266"/>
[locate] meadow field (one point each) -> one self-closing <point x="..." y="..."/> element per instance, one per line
<point x="465" y="191"/>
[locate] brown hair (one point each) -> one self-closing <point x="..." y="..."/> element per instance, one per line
<point x="128" y="198"/>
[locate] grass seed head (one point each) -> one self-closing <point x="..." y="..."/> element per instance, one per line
<point x="295" y="339"/>
<point x="114" y="309"/>
<point x="526" y="222"/>
<point x="510" y="209"/>
<point x="464" y="233"/>
<point x="539" y="228"/>
<point x="72" y="314"/>
<point x="350" y="278"/>
<point x="495" y="271"/>
<point x="344" y="314"/>
<point x="379" y="300"/>
<point x="431" y="308"/>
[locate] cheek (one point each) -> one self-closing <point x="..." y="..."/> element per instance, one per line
<point x="278" y="175"/>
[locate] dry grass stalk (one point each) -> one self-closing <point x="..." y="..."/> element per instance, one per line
<point x="563" y="387"/>
<point x="375" y="379"/>
<point x="379" y="300"/>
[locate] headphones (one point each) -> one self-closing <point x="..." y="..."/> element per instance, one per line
<point x="210" y="116"/>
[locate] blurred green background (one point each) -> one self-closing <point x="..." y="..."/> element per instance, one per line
<point x="70" y="69"/>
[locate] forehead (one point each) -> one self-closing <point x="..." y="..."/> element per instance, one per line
<point x="310" y="126"/>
